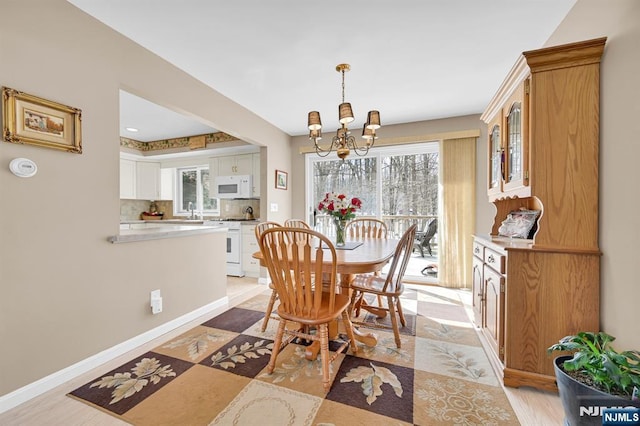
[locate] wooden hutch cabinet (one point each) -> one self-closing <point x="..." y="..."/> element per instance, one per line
<point x="543" y="149"/>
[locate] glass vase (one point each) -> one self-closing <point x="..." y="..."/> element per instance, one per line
<point x="340" y="235"/>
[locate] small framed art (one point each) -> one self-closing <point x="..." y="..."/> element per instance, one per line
<point x="281" y="179"/>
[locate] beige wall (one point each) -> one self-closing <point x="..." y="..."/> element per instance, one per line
<point x="65" y="293"/>
<point x="619" y="153"/>
<point x="416" y="131"/>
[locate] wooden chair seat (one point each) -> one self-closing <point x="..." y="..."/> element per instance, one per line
<point x="374" y="284"/>
<point x="325" y="312"/>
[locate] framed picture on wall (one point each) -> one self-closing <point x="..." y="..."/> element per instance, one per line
<point x="281" y="179"/>
<point x="32" y="120"/>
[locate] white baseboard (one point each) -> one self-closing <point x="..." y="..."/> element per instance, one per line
<point x="51" y="381"/>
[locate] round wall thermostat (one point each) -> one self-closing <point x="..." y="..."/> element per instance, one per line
<point x="23" y="167"/>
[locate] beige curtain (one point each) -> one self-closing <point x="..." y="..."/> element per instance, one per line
<point x="458" y="211"/>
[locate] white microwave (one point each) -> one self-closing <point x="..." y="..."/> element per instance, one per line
<point x="234" y="186"/>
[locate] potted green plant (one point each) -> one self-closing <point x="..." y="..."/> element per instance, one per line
<point x="595" y="377"/>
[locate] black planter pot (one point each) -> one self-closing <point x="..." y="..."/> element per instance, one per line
<point x="582" y="404"/>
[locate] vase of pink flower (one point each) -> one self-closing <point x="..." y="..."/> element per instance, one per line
<point x="341" y="209"/>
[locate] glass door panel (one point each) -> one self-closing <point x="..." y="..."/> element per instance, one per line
<point x="495" y="170"/>
<point x="514" y="129"/>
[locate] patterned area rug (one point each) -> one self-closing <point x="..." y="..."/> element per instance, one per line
<point x="215" y="374"/>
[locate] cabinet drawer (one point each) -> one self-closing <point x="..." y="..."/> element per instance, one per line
<point x="249" y="244"/>
<point x="495" y="260"/>
<point x="478" y="250"/>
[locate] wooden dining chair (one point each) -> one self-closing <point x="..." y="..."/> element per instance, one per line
<point x="260" y="228"/>
<point x="296" y="270"/>
<point x="390" y="286"/>
<point x="296" y="223"/>
<point x="366" y="228"/>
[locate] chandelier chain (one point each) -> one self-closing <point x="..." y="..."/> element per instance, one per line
<point x="342" y="86"/>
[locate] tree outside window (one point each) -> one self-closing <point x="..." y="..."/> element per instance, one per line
<point x="193" y="187"/>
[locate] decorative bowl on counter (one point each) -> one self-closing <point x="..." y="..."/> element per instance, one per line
<point x="151" y="216"/>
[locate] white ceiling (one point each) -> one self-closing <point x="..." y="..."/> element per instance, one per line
<point x="412" y="60"/>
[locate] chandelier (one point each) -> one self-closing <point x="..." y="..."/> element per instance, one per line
<point x="343" y="142"/>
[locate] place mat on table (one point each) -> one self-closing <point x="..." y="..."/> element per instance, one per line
<point x="350" y="245"/>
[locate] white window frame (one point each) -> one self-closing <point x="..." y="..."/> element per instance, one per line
<point x="177" y="205"/>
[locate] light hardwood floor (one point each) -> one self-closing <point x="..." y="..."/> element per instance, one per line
<point x="533" y="407"/>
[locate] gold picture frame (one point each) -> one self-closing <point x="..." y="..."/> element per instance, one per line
<point x="281" y="179"/>
<point x="28" y="119"/>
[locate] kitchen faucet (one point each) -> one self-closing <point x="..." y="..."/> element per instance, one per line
<point x="190" y="207"/>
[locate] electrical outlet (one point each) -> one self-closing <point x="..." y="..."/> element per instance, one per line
<point x="156" y="302"/>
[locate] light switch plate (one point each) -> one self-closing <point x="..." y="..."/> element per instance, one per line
<point x="274" y="207"/>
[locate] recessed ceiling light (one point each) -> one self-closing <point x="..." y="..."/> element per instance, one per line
<point x="131" y="129"/>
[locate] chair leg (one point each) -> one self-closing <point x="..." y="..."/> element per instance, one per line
<point x="429" y="249"/>
<point x="356" y="300"/>
<point x="400" y="313"/>
<point x="324" y="354"/>
<point x="349" y="328"/>
<point x="267" y="315"/>
<point x="394" y="321"/>
<point x="276" y="346"/>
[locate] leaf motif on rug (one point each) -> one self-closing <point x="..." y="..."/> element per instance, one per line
<point x="453" y="402"/>
<point x="237" y="355"/>
<point x="295" y="366"/>
<point x="372" y="380"/>
<point x="126" y="384"/>
<point x="458" y="364"/>
<point x="444" y="331"/>
<point x="196" y="344"/>
<point x="386" y="347"/>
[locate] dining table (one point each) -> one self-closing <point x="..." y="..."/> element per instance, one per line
<point x="360" y="256"/>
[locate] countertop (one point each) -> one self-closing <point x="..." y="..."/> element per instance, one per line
<point x="164" y="231"/>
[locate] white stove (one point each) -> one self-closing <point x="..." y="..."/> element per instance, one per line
<point x="234" y="245"/>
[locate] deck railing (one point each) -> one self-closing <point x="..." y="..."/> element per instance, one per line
<point x="396" y="224"/>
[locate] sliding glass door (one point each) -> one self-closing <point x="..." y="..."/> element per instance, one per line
<point x="398" y="185"/>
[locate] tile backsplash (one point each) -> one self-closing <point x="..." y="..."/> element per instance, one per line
<point x="131" y="209"/>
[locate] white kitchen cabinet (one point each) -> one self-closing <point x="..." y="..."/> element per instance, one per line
<point x="127" y="179"/>
<point x="235" y="165"/>
<point x="167" y="183"/>
<point x="139" y="180"/>
<point x="250" y="265"/>
<point x="255" y="171"/>
<point x="147" y="180"/>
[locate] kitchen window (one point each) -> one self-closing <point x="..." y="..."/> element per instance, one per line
<point x="192" y="190"/>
